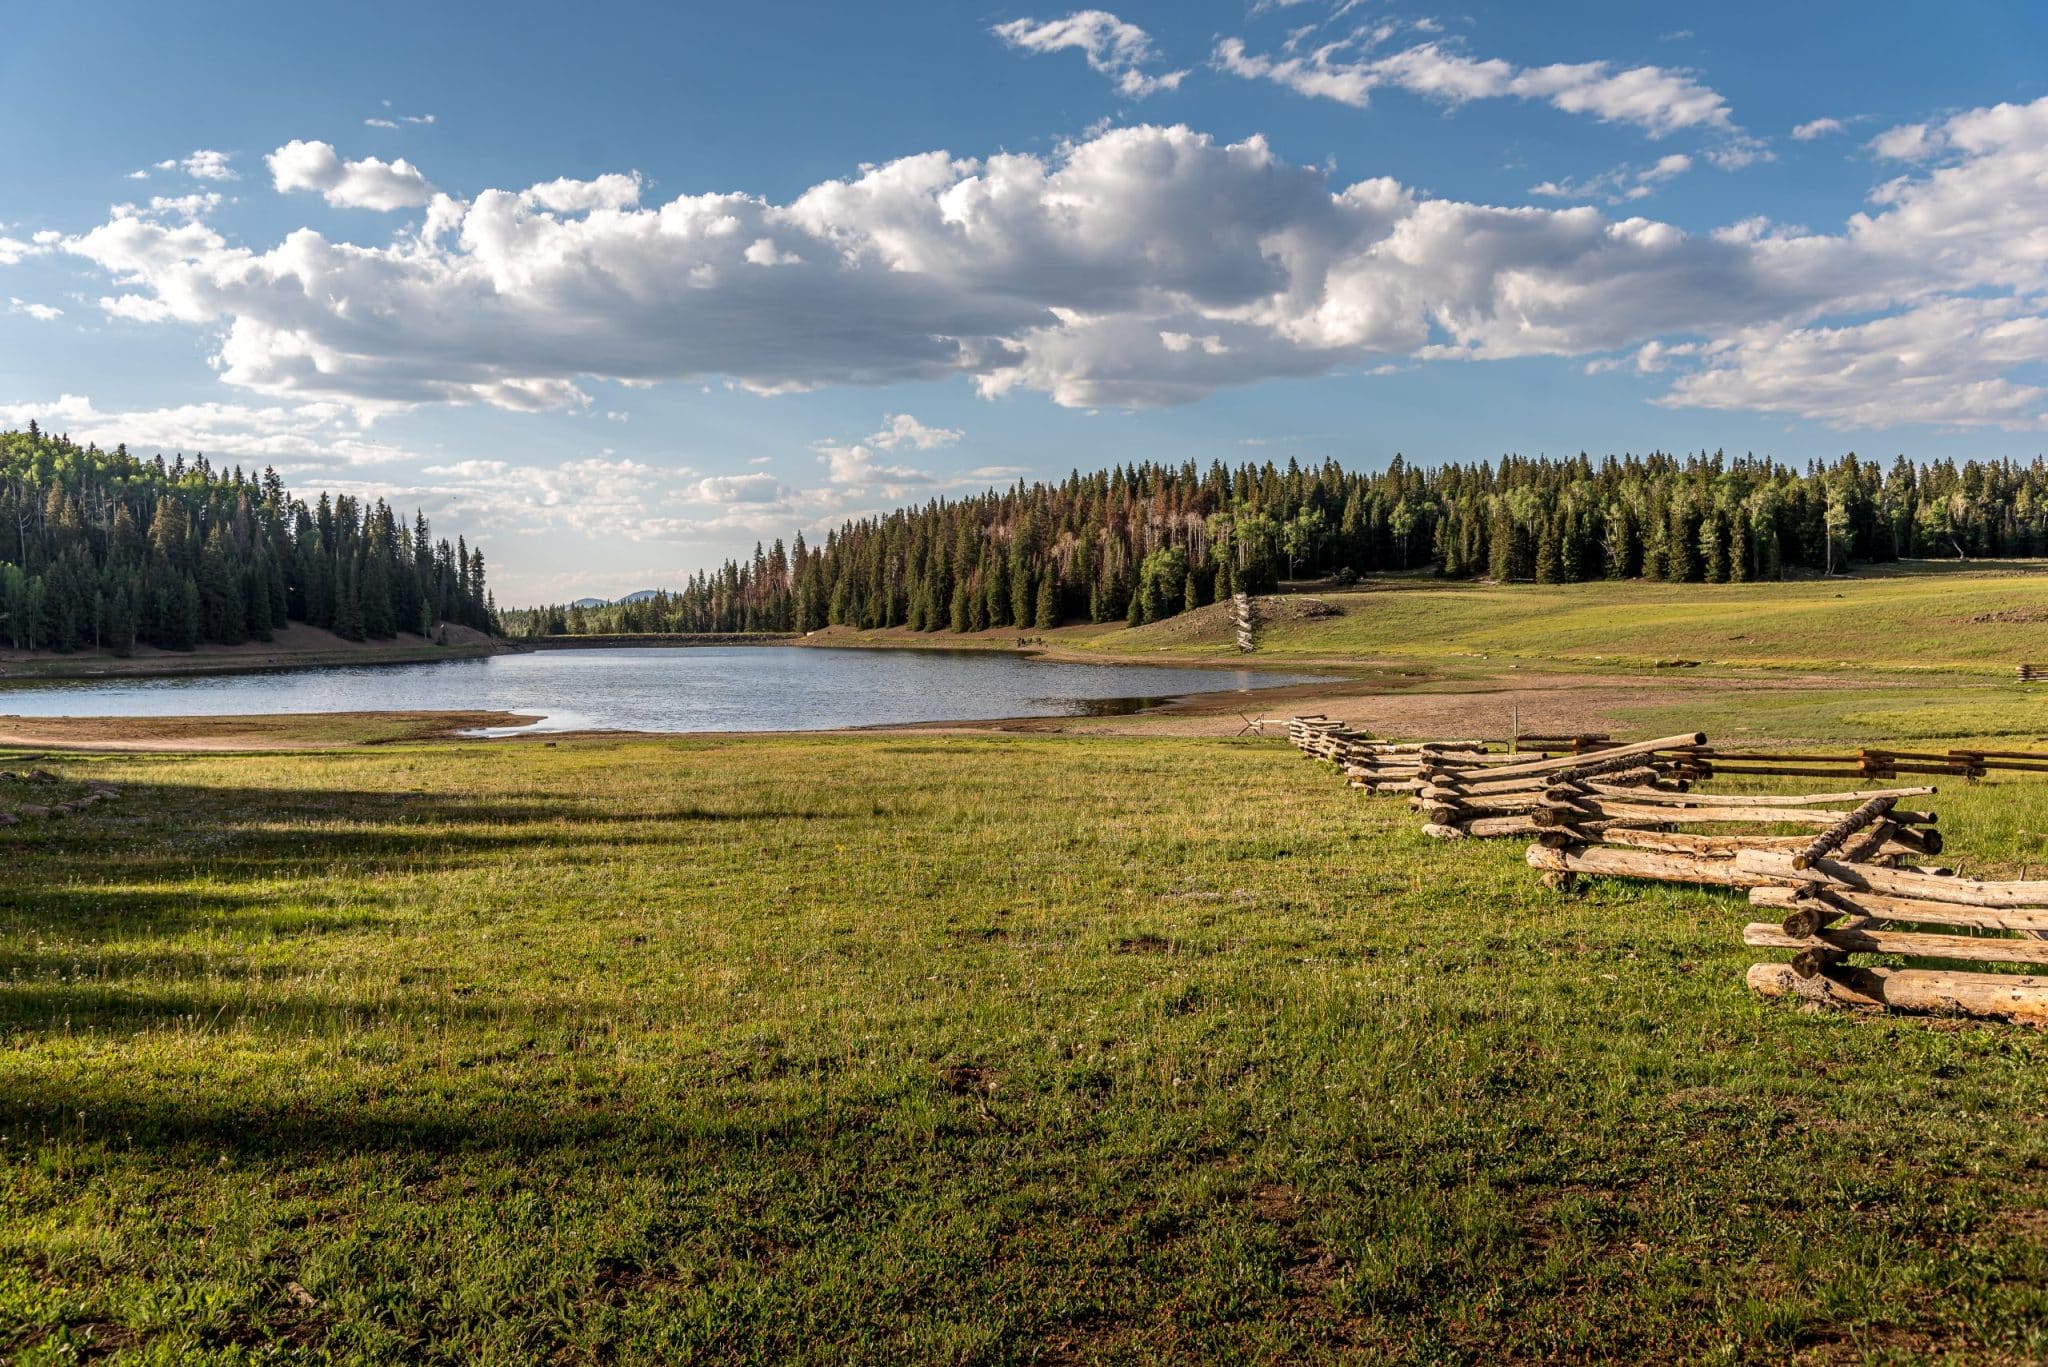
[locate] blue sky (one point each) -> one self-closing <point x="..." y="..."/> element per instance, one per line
<point x="620" y="289"/>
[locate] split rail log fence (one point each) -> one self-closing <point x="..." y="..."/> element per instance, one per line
<point x="1845" y="871"/>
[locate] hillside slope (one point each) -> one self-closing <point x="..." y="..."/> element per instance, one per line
<point x="1981" y="619"/>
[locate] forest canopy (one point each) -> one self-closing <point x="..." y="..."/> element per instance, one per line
<point x="1141" y="542"/>
<point x="102" y="550"/>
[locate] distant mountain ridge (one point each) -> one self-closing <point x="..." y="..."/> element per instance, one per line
<point x="638" y="596"/>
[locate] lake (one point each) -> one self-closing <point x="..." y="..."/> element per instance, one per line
<point x="681" y="689"/>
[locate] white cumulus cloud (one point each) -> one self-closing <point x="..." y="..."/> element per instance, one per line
<point x="371" y="183"/>
<point x="739" y="489"/>
<point x="204" y="164"/>
<point x="901" y="429"/>
<point x="1144" y="265"/>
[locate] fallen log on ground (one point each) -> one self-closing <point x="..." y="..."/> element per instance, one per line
<point x="2006" y="996"/>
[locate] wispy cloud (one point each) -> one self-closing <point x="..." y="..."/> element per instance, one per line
<point x="1658" y="100"/>
<point x="1118" y="50"/>
<point x="1818" y="128"/>
<point x="1620" y="185"/>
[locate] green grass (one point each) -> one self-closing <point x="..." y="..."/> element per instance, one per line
<point x="1922" y="617"/>
<point x="950" y="1049"/>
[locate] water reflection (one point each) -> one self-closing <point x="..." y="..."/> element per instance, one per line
<point x="719" y="688"/>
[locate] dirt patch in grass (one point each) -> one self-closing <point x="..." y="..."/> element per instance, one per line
<point x="968" y="1079"/>
<point x="2012" y="616"/>
<point x="289" y="731"/>
<point x="1144" y="944"/>
<point x="1274" y="1202"/>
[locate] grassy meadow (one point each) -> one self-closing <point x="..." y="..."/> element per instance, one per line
<point x="1927" y="616"/>
<point x="954" y="1049"/>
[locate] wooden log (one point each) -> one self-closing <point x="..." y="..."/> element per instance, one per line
<point x="1630" y="779"/>
<point x="1494" y="826"/>
<point x="1920" y="840"/>
<point x="1776" y="757"/>
<point x="1714" y="846"/>
<point x="1882" y="909"/>
<point x="1818" y="818"/>
<point x="1649" y="864"/>
<point x="1917" y="756"/>
<point x="1419" y="747"/>
<point x="1912" y="944"/>
<point x="1771" y="866"/>
<point x="1620" y="781"/>
<point x="1548" y="813"/>
<point x="1879" y="841"/>
<point x="1493" y="782"/>
<point x="1997" y="995"/>
<point x="1830" y="840"/>
<point x="1718" y="769"/>
<point x="1814" y="960"/>
<point x="1804" y="919"/>
<point x="1645" y="747"/>
<point x="1465" y="810"/>
<point x="1768" y="799"/>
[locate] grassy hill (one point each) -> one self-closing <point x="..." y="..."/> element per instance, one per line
<point x="1979" y="619"/>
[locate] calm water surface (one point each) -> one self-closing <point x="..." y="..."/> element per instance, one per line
<point x="737" y="688"/>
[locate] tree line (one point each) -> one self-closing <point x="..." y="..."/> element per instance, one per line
<point x="103" y="550"/>
<point x="1141" y="542"/>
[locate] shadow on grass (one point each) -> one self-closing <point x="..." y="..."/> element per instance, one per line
<point x="117" y="867"/>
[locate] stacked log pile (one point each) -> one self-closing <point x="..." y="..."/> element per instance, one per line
<point x="1523" y="797"/>
<point x="1245" y="617"/>
<point x="1845" y="871"/>
<point x="1829" y="908"/>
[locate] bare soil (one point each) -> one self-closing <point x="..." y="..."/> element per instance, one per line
<point x="294" y="646"/>
<point x="289" y="731"/>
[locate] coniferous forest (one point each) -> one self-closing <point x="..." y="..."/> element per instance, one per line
<point x="102" y="550"/>
<point x="1143" y="542"/>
